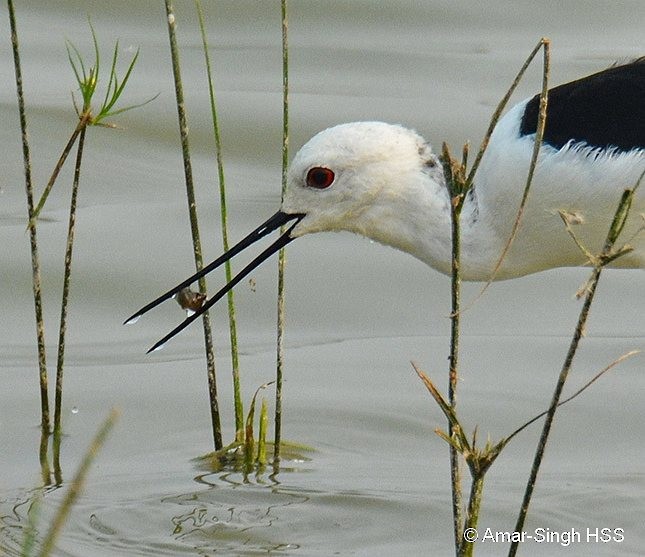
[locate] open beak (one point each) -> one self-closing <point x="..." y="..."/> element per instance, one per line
<point x="275" y="222"/>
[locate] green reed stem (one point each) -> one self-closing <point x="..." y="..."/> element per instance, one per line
<point x="33" y="240"/>
<point x="282" y="254"/>
<point x="76" y="485"/>
<point x="194" y="226"/>
<point x="262" y="434"/>
<point x="66" y="282"/>
<point x="472" y="514"/>
<point x="237" y="396"/>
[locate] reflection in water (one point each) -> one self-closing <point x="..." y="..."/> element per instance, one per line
<point x="197" y="516"/>
<point x="233" y="512"/>
<point x="14" y="525"/>
<point x="235" y="459"/>
<point x="19" y="526"/>
<point x="39" y="530"/>
<point x="237" y="507"/>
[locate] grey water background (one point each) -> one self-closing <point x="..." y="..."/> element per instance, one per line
<point x="357" y="312"/>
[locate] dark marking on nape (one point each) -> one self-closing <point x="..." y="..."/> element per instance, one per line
<point x="471" y="196"/>
<point x="604" y="110"/>
<point x="427" y="158"/>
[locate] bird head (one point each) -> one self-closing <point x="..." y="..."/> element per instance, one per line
<point x="348" y="175"/>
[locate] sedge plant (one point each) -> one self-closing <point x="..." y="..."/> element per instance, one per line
<point x="459" y="180"/>
<point x="479" y="459"/>
<point x="88" y="79"/>
<point x="251" y="454"/>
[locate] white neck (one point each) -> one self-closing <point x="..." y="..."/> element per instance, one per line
<point x="416" y="220"/>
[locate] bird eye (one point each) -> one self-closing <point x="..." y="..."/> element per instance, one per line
<point x="320" y="178"/>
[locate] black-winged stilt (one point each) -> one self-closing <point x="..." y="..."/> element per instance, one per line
<point x="384" y="181"/>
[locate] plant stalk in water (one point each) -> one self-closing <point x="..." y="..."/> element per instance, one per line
<point x="76" y="485"/>
<point x="194" y="225"/>
<point x="33" y="239"/>
<point x="459" y="181"/>
<point x="237" y="396"/>
<point x="87" y="80"/>
<point x="282" y="253"/>
<point x="69" y="248"/>
<point x="457" y="189"/>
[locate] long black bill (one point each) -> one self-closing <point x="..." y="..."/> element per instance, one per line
<point x="267" y="227"/>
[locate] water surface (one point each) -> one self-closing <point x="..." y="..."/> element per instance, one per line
<point x="377" y="483"/>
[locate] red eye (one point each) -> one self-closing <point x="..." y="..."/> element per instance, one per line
<point x="320" y="178"/>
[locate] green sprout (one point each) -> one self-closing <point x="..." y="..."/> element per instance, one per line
<point x="88" y="79"/>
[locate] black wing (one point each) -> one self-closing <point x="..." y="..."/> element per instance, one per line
<point x="604" y="110"/>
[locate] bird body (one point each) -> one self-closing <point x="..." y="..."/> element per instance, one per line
<point x="384" y="181"/>
<point x="389" y="185"/>
<point x="577" y="179"/>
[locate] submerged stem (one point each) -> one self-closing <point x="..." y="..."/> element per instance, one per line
<point x="77" y="483"/>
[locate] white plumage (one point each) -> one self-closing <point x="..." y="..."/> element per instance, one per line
<point x="389" y="186"/>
